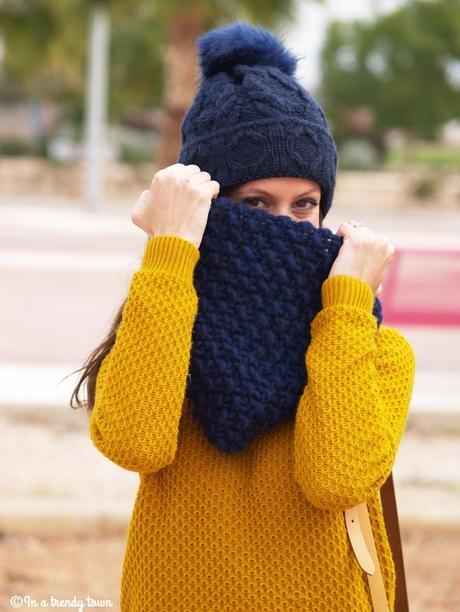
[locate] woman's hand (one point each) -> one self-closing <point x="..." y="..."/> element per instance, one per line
<point x="363" y="255"/>
<point x="177" y="203"/>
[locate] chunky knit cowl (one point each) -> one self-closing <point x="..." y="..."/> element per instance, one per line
<point x="258" y="281"/>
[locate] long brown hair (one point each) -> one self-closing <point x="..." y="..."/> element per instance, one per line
<point x="93" y="362"/>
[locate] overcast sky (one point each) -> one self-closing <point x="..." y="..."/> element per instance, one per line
<point x="306" y="36"/>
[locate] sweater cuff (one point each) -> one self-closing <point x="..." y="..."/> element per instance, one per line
<point x="342" y="289"/>
<point x="172" y="255"/>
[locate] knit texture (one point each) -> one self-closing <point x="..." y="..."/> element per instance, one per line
<point x="251" y="118"/>
<point x="261" y="530"/>
<point x="259" y="281"/>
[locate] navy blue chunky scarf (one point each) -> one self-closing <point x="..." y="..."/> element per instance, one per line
<point x="258" y="281"/>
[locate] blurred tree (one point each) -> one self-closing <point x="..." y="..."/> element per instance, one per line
<point x="403" y="69"/>
<point x="46" y="54"/>
<point x="153" y="53"/>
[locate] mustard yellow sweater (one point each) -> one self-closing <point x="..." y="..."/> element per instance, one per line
<point x="263" y="529"/>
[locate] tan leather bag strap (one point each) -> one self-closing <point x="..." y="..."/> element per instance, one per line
<point x="362" y="541"/>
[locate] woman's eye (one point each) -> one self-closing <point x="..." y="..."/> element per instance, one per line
<point x="309" y="201"/>
<point x="252" y="201"/>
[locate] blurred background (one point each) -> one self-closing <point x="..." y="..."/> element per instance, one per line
<point x="92" y="95"/>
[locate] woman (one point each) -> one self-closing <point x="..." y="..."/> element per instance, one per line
<point x="262" y="528"/>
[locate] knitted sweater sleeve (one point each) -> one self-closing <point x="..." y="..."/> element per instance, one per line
<point x="140" y="386"/>
<point x="354" y="408"/>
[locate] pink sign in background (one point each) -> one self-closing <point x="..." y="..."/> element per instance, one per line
<point x="422" y="287"/>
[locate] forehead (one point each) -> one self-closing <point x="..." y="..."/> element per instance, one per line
<point x="281" y="184"/>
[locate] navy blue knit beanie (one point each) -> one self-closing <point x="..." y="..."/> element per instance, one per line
<point x="251" y="118"/>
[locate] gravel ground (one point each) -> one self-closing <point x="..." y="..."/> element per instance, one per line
<point x="63" y="567"/>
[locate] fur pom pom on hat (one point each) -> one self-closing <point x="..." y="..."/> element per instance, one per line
<point x="251" y="118"/>
<point x="223" y="48"/>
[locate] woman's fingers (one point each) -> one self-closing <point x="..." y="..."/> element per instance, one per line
<point x="364" y="254"/>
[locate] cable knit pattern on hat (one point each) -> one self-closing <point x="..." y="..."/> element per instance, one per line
<point x="261" y="530"/>
<point x="251" y="118"/>
<point x="259" y="281"/>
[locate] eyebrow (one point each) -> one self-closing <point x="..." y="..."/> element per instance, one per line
<point x="258" y="190"/>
